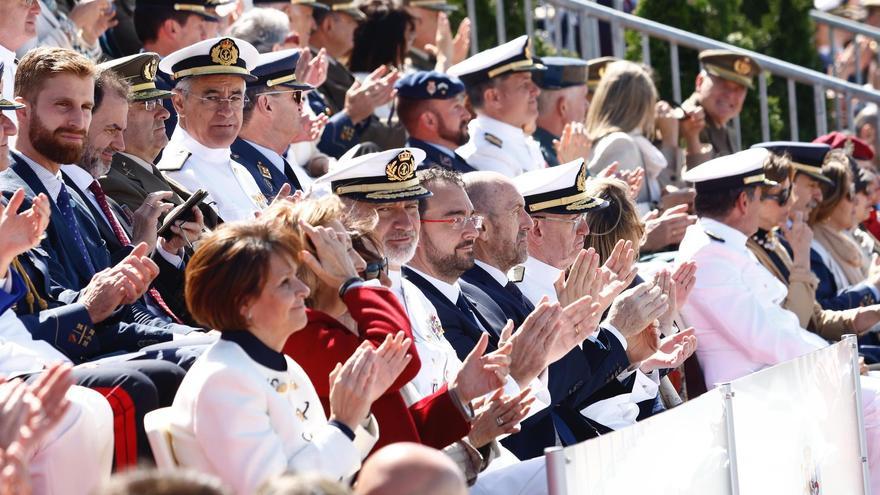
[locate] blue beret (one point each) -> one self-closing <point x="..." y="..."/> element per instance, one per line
<point x="429" y="85"/>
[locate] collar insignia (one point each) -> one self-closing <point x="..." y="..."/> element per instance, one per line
<point x="264" y="170"/>
<point x="742" y="66"/>
<point x="224" y="52"/>
<point x="401" y="168"/>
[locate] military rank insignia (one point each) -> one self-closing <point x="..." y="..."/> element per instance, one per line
<point x="224" y="52"/>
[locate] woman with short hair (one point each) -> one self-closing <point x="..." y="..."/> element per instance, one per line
<point x="245" y="412"/>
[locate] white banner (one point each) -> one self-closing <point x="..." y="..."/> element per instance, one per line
<point x="796" y="426"/>
<point x="682" y="451"/>
<point x="795" y="430"/>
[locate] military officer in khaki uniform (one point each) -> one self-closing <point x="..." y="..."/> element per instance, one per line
<point x="595" y="71"/>
<point x="721" y="89"/>
<point x="132" y="174"/>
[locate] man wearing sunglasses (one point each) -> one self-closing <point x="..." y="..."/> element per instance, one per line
<point x="776" y="203"/>
<point x="272" y="117"/>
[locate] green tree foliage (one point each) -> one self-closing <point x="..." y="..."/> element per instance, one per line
<point x="777" y="28"/>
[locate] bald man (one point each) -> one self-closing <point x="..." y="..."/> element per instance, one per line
<point x="410" y="469"/>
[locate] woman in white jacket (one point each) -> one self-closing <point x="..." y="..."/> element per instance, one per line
<point x="245" y="412"/>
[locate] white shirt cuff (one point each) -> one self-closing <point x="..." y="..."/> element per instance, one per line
<point x="614" y="331"/>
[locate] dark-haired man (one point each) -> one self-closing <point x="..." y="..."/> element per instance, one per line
<point x="165" y="26"/>
<point x="431" y="107"/>
<point x="500" y="88"/>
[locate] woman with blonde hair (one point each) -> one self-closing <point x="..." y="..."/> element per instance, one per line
<point x="620" y="123"/>
<point x="847" y="278"/>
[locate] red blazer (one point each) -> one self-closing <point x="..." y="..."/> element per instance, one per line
<point x="434" y="421"/>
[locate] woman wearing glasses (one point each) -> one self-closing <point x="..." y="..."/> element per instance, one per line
<point x="794" y="269"/>
<point x="368" y="314"/>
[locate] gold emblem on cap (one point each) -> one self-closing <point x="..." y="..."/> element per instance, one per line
<point x="225" y="52"/>
<point x="528" y="53"/>
<point x="601" y="71"/>
<point x="150" y="69"/>
<point x="431" y="88"/>
<point x="402" y="167"/>
<point x="582" y="178"/>
<point x="742" y="66"/>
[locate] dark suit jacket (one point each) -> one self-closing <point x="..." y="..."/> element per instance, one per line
<point x="570" y="379"/>
<point x="436" y="158"/>
<point x="128" y="183"/>
<point x="545" y="140"/>
<point x="828" y="294"/>
<point x="259" y="165"/>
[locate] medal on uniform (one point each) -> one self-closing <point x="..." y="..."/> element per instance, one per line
<point x="264" y="170"/>
<point x="436" y="326"/>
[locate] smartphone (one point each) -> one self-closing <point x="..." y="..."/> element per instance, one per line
<point x="184" y="214"/>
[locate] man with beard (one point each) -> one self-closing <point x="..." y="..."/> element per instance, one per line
<point x="432" y="109"/>
<point x="272" y="116"/>
<point x="75" y="301"/>
<point x="446" y="251"/>
<point x="721" y="89"/>
<point x="562" y="109"/>
<point x="209" y="97"/>
<point x="500" y="88"/>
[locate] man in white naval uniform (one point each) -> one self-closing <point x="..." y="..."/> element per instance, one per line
<point x="209" y="99"/>
<point x="18" y="25"/>
<point x="736" y="304"/>
<point x="556" y="201"/>
<point x="500" y="88"/>
<point x="396" y="229"/>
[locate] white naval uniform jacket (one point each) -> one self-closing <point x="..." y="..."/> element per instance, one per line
<point x="232" y="191"/>
<point x="736" y="307"/>
<point x="246" y="413"/>
<point x="499" y="147"/>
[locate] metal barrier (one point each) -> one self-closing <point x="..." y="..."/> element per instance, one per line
<point x="583" y="17"/>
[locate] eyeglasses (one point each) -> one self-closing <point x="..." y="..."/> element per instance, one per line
<point x="375" y="269"/>
<point x="150" y="105"/>
<point x="781" y="197"/>
<point x="214" y="102"/>
<point x="298" y="95"/>
<point x="460" y="222"/>
<point x="28" y="3"/>
<point x="576" y="221"/>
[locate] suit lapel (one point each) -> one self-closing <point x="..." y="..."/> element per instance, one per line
<point x="264" y="172"/>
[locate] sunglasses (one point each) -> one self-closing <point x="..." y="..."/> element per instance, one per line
<point x="781" y="197"/>
<point x="298" y="95"/>
<point x="375" y="269"/>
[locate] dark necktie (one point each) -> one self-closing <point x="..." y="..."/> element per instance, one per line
<point x="63" y="203"/>
<point x="291" y="176"/>
<point x="123" y="239"/>
<point x="514" y="291"/>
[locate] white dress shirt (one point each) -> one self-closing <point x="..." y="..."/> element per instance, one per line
<point x="52" y="182"/>
<point x="507" y="149"/>
<point x="736" y="306"/>
<point x="231" y="189"/>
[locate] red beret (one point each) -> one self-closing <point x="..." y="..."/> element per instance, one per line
<point x="855" y="147"/>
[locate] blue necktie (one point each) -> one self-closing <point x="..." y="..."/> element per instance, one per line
<point x="67" y="215"/>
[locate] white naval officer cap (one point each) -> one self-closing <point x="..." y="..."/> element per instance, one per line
<point x="744" y="168"/>
<point x="214" y="56"/>
<point x="560" y="189"/>
<point x="513" y="56"/>
<point x="386" y="176"/>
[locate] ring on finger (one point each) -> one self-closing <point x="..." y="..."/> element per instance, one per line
<point x="499" y="421"/>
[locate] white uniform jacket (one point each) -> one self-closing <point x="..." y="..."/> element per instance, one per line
<point x="231" y="189"/>
<point x="246" y="413"/>
<point x="736" y="307"/>
<point x="499" y="147"/>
